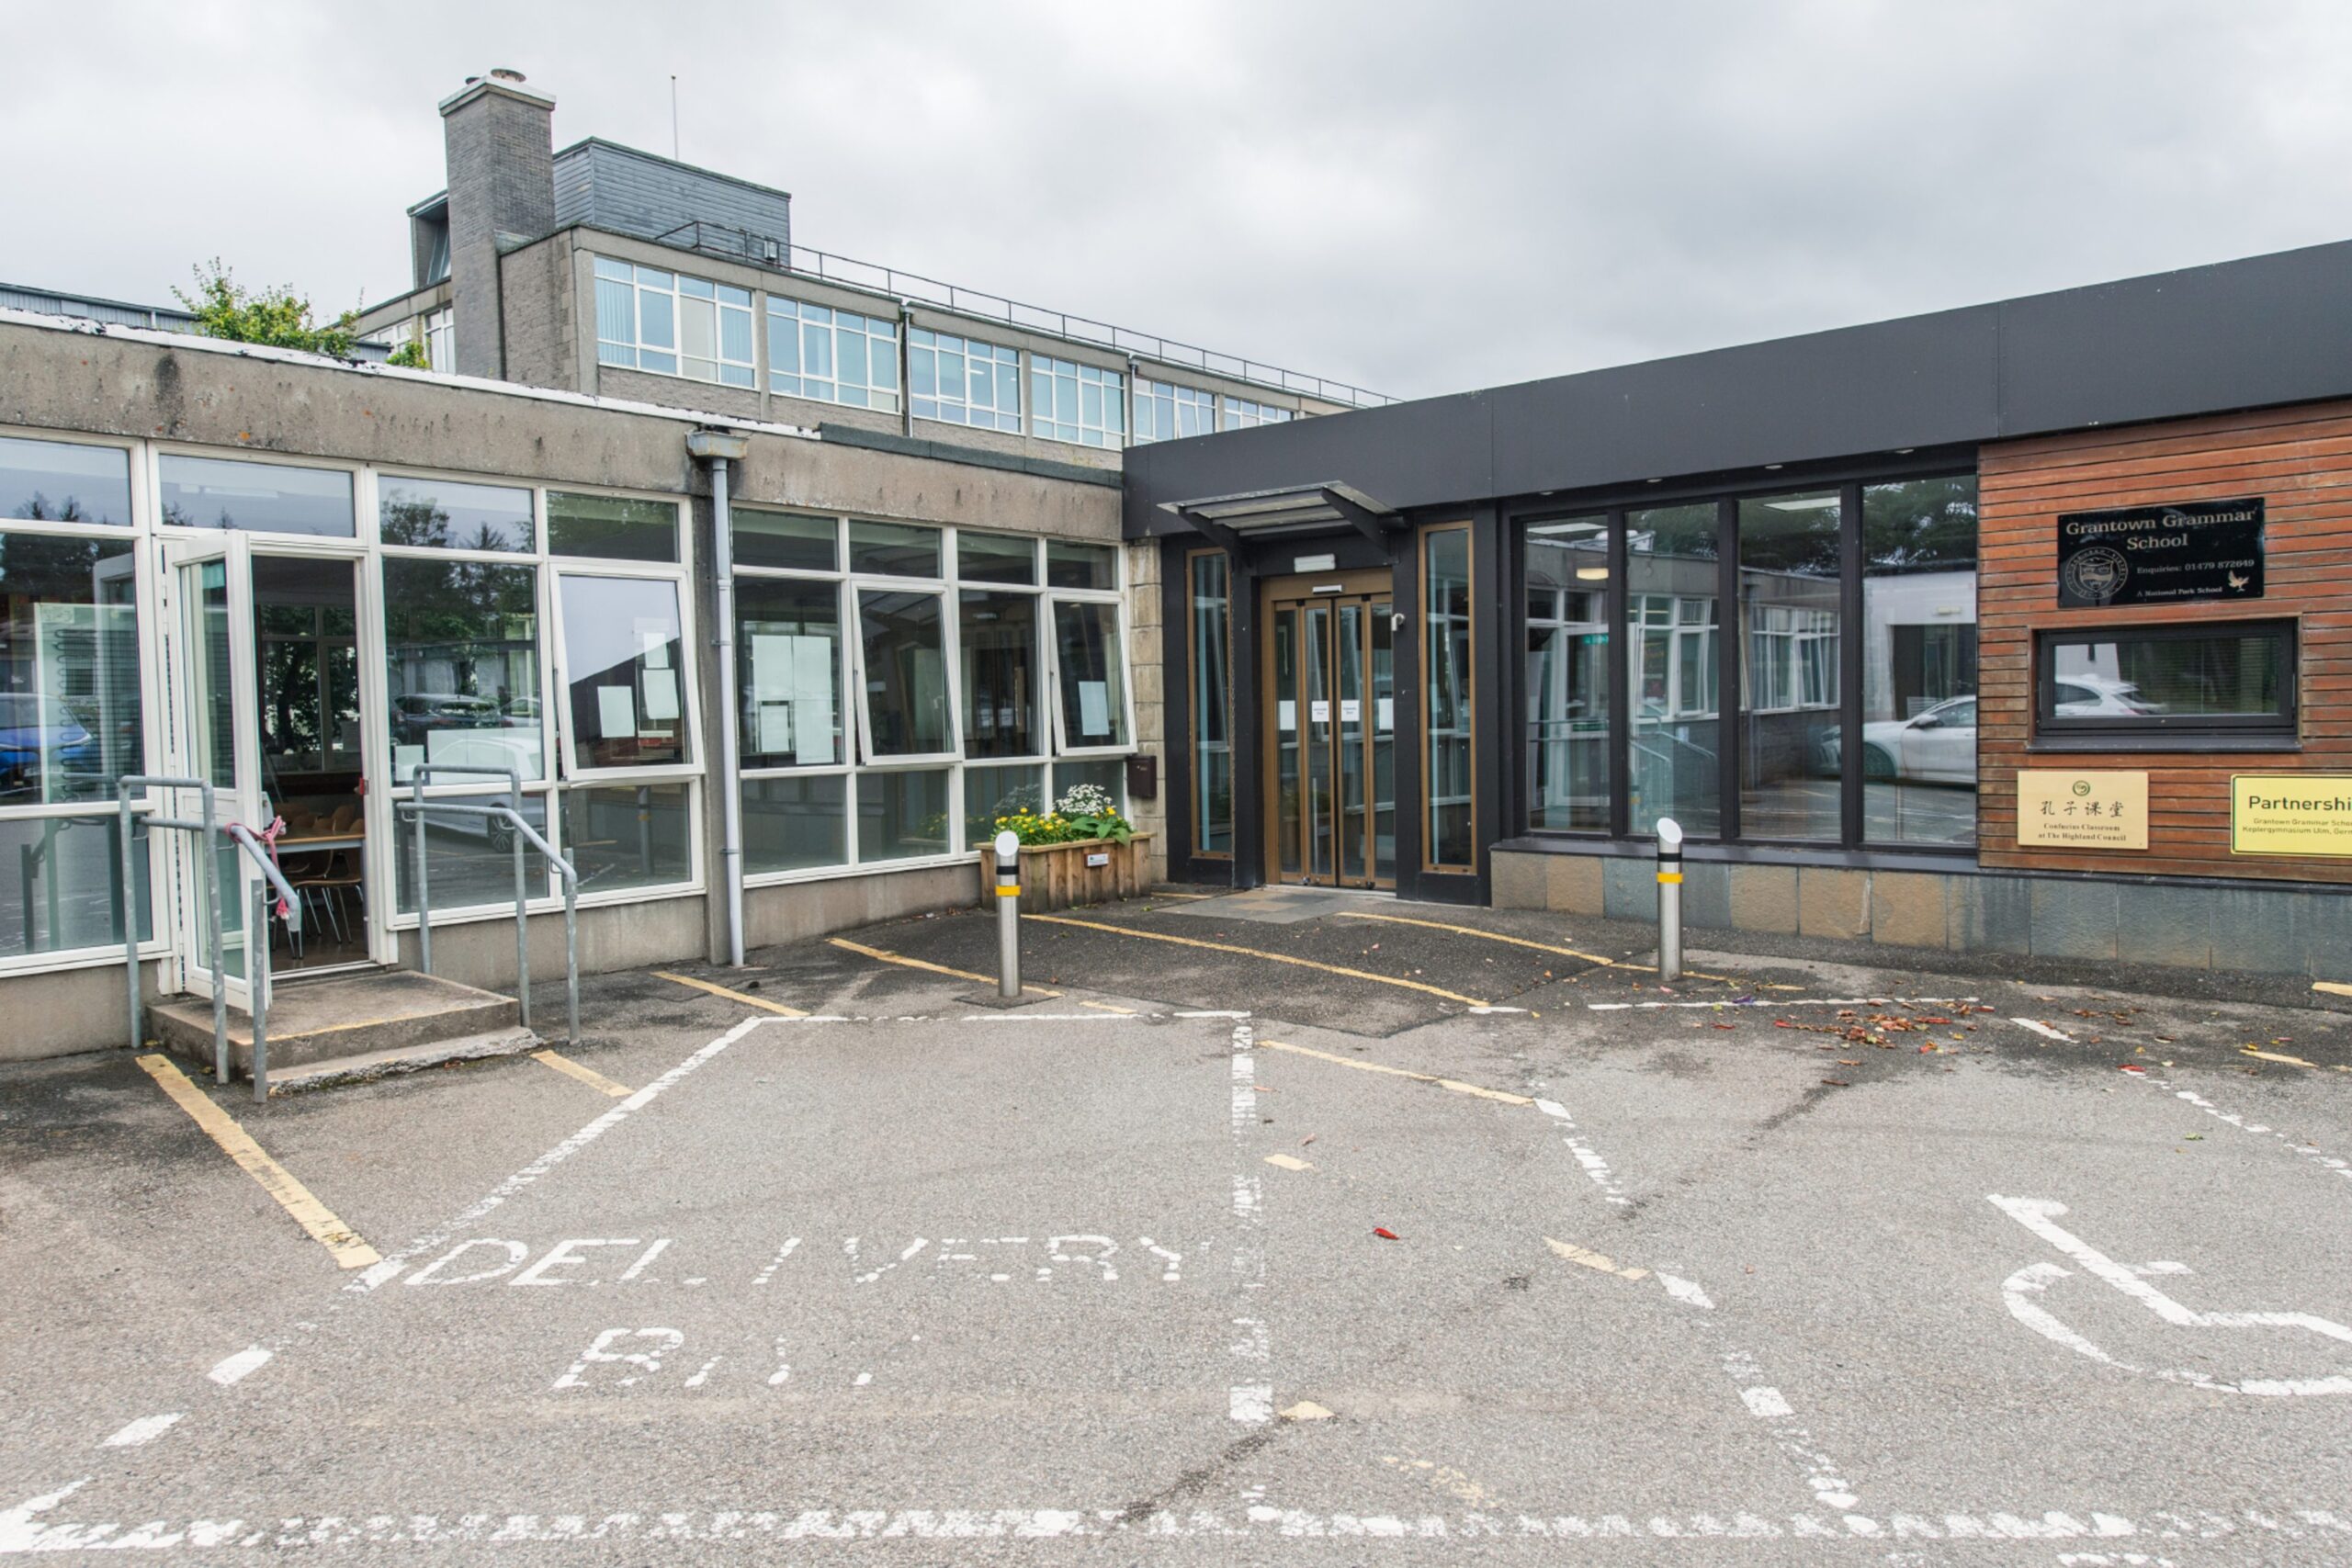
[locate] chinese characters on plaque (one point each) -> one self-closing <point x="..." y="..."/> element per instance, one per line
<point x="2101" y="810"/>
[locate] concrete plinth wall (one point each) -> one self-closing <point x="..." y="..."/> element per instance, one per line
<point x="67" y="1011"/>
<point x="2265" y="929"/>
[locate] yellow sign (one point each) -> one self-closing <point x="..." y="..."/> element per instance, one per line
<point x="2083" y="811"/>
<point x="2290" y="814"/>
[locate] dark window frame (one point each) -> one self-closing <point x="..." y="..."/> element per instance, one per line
<point x="2153" y="731"/>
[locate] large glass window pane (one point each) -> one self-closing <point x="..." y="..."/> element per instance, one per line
<point x="905" y="667"/>
<point x="449" y="515"/>
<point x="1446" y="652"/>
<point x="999" y="652"/>
<point x="61" y="884"/>
<point x="461" y="656"/>
<point x="624" y="667"/>
<point x="1108" y="774"/>
<point x="1788" y="611"/>
<point x="995" y="558"/>
<point x="61" y="482"/>
<point x="1673" y="753"/>
<point x="788" y="671"/>
<point x="785" y="539"/>
<point x="1918" y="741"/>
<point x="1093" y="669"/>
<point x="612" y="527"/>
<point x="470" y="859"/>
<point x="991" y="794"/>
<point x="1080" y="566"/>
<point x="901" y="815"/>
<point x="69" y="655"/>
<point x="2158" y="679"/>
<point x="1567" y="675"/>
<point x="794" y="824"/>
<point x="894" y="550"/>
<point x="1212" y="704"/>
<point x="259" y="498"/>
<point x="627" y="836"/>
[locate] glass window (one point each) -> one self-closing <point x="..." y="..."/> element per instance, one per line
<point x="61" y="884"/>
<point x="612" y="527"/>
<point x="1091" y="666"/>
<point x="992" y="794"/>
<point x="788" y="671"/>
<point x="650" y="319"/>
<point x="441" y="340"/>
<point x="794" y="824"/>
<point x="1567" y="675"/>
<point x="1240" y="413"/>
<point x="628" y="835"/>
<point x="1080" y="566"/>
<point x="259" y="498"/>
<point x="1077" y="403"/>
<point x="445" y="515"/>
<point x="836" y="356"/>
<point x="1108" y="774"/>
<point x="785" y="539"/>
<point x="1789" y="603"/>
<point x="999" y="644"/>
<point x="61" y="482"/>
<point x="1165" y="412"/>
<point x="624" y="666"/>
<point x="461" y="651"/>
<point x="1918" y="739"/>
<point x="71" y="711"/>
<point x="1673" y="751"/>
<point x="1212" y="702"/>
<point x="2232" y="679"/>
<point x="1446" y="653"/>
<point x="964" y="381"/>
<point x="904" y="666"/>
<point x="471" y="861"/>
<point x="894" y="550"/>
<point x="901" y="815"/>
<point x="995" y="558"/>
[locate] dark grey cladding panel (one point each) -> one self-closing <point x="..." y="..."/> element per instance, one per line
<point x="629" y="192"/>
<point x="1434" y="452"/>
<point x="2268" y="330"/>
<point x="1921" y="381"/>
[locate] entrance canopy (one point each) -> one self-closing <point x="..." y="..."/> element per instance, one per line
<point x="1223" y="519"/>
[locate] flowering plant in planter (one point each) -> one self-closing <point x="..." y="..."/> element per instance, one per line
<point x="1085" y="812"/>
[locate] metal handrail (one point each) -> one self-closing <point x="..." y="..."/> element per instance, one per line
<point x="563" y="868"/>
<point x="208" y="827"/>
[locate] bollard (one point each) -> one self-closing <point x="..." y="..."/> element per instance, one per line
<point x="1670" y="899"/>
<point x="1008" y="914"/>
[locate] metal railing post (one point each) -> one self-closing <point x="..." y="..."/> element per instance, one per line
<point x="1670" y="899"/>
<point x="1008" y="914"/>
<point x="424" y="896"/>
<point x="211" y="855"/>
<point x="129" y="912"/>
<point x="521" y="935"/>
<point x="257" y="977"/>
<point x="572" y="953"/>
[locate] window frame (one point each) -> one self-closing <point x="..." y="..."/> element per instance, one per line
<point x="1048" y="372"/>
<point x="1430" y="864"/>
<point x="2164" y="731"/>
<point x="1114" y="597"/>
<point x="998" y="415"/>
<point x="635" y="345"/>
<point x="1179" y="400"/>
<point x="1192" y="704"/>
<point x="778" y="309"/>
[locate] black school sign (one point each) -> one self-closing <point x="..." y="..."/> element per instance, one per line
<point x="2156" y="555"/>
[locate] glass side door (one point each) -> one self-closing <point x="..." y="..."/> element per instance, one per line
<point x="214" y="726"/>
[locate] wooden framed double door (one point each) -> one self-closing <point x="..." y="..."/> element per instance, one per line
<point x="1330" y="717"/>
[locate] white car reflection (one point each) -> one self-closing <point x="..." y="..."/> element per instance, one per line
<point x="1938" y="744"/>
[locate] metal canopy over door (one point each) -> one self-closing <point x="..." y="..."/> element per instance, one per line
<point x="1330" y="788"/>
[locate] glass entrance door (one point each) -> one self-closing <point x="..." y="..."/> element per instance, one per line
<point x="214" y="728"/>
<point x="1332" y="789"/>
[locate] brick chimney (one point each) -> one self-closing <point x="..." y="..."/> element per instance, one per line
<point x="501" y="194"/>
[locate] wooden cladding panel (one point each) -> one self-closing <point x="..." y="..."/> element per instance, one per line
<point x="2300" y="461"/>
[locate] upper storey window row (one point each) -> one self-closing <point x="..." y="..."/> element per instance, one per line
<point x="651" y="319"/>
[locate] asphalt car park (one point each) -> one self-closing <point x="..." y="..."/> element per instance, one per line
<point x="1324" y="1230"/>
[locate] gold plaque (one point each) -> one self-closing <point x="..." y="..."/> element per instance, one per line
<point x="2290" y="814"/>
<point x="2083" y="810"/>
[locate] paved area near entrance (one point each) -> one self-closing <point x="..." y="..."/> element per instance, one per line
<point x="1381" y="1233"/>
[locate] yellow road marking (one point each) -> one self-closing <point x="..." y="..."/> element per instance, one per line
<point x="1304" y="1410"/>
<point x="588" y="1076"/>
<point x="1592" y="1259"/>
<point x="1543" y="947"/>
<point x="1269" y="957"/>
<point x="1106" y="1006"/>
<point x="1183" y="896"/>
<point x="901" y="958"/>
<point x="1288" y="1162"/>
<point x="2332" y="988"/>
<point x="1456" y="1085"/>
<point x="730" y="996"/>
<point x="2275" y="1057"/>
<point x="313" y="1216"/>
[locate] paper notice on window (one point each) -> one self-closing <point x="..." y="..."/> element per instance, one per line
<point x="1350" y="710"/>
<point x="812" y="732"/>
<point x="1094" y="709"/>
<point x="616" y="712"/>
<point x="775" y="737"/>
<point x="653" y="644"/>
<point x="1285" y="715"/>
<point x="812" y="700"/>
<point x="1319" y="712"/>
<point x="661" y="695"/>
<point x="1385" y="712"/>
<point x="405" y="759"/>
<point x="771" y="667"/>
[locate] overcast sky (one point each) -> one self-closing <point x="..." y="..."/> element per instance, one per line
<point x="1418" y="198"/>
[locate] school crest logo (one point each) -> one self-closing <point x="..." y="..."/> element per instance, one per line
<point x="2098" y="573"/>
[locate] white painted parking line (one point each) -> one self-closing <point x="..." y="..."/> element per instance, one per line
<point x="2304" y="1147"/>
<point x="1592" y="1164"/>
<point x="231" y="1368"/>
<point x="1252" y="1401"/>
<point x="146" y="1429"/>
<point x="2044" y="1029"/>
<point x="1777" y="1003"/>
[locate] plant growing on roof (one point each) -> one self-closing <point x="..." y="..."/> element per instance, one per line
<point x="276" y="317"/>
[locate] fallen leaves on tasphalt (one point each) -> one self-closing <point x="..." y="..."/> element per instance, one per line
<point x="1837" y="1083"/>
<point x="1384" y="1233"/>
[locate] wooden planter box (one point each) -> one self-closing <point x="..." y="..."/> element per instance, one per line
<point x="1056" y="876"/>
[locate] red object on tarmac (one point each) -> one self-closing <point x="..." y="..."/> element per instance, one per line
<point x="2133" y="1067"/>
<point x="1384" y="1233"/>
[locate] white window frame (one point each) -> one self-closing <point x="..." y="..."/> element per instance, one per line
<point x="784" y="313"/>
<point x="1243" y="413"/>
<point x="1115" y="598"/>
<point x="1178" y="404"/>
<point x="999" y="356"/>
<point x="723" y="299"/>
<point x="1048" y="374"/>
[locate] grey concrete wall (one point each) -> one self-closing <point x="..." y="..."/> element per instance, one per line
<point x="1145" y="667"/>
<point x="802" y="910"/>
<point x="2277" y="930"/>
<point x="612" y="936"/>
<point x="73" y="1009"/>
<point x="538" y="305"/>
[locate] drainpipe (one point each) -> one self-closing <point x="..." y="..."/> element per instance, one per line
<point x="717" y="448"/>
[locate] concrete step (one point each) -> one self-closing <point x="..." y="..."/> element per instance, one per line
<point x="400" y="1059"/>
<point x="333" y="1020"/>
